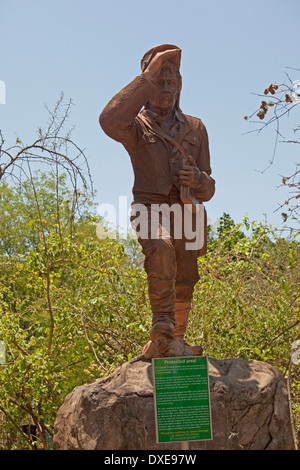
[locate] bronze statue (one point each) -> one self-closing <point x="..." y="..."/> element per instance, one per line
<point x="169" y="152"/>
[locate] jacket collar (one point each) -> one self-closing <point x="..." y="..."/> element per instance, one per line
<point x="153" y="121"/>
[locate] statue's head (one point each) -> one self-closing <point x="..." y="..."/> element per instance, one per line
<point x="169" y="80"/>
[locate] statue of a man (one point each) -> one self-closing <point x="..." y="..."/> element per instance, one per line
<point x="146" y="118"/>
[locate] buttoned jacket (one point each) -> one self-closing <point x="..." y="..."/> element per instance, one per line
<point x="156" y="162"/>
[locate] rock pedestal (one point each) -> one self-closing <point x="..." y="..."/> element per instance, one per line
<point x="249" y="410"/>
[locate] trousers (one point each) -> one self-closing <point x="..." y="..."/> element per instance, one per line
<point x="171" y="268"/>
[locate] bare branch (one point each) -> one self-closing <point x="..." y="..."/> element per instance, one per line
<point x="280" y="101"/>
<point x="51" y="148"/>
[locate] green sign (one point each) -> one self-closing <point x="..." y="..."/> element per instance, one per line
<point x="182" y="401"/>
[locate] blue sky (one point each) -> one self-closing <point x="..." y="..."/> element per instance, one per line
<point x="91" y="49"/>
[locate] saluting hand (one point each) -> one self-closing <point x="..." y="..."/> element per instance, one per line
<point x="153" y="69"/>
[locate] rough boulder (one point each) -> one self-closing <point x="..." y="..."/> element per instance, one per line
<point x="249" y="409"/>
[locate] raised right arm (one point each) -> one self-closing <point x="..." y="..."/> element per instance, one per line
<point x="117" y="118"/>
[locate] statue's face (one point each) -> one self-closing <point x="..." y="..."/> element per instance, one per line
<point x="168" y="85"/>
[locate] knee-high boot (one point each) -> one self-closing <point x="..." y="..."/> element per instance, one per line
<point x="182" y="310"/>
<point x="162" y="299"/>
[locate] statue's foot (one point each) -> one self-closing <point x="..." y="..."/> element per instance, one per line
<point x="163" y="343"/>
<point x="162" y="331"/>
<point x="197" y="350"/>
<point x="151" y="350"/>
<point x="161" y="336"/>
<point x="174" y="348"/>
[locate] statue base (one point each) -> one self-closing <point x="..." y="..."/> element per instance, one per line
<point x="249" y="410"/>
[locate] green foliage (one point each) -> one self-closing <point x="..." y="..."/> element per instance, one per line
<point x="247" y="301"/>
<point x="65" y="323"/>
<point x="247" y="298"/>
<point x="74" y="307"/>
<point x="35" y="210"/>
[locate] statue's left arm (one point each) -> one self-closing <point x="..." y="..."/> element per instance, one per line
<point x="206" y="189"/>
<point x="197" y="172"/>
